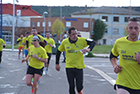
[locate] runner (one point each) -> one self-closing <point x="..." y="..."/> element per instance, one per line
<point x="25" y="46"/>
<point x="74" y="47"/>
<point x="30" y="37"/>
<point x="20" y="46"/>
<point x="38" y="57"/>
<point x="128" y="69"/>
<point x="2" y="45"/>
<point x="48" y="48"/>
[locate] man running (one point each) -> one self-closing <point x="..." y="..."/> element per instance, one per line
<point x="20" y="46"/>
<point x="48" y="48"/>
<point x="74" y="48"/>
<point x="30" y="37"/>
<point x="2" y="44"/>
<point x="25" y="46"/>
<point x="128" y="69"/>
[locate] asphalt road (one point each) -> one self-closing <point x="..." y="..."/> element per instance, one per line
<point x="98" y="77"/>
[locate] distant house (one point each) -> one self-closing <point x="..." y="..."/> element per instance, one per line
<point x="23" y="13"/>
<point x="116" y="19"/>
<point x="83" y="25"/>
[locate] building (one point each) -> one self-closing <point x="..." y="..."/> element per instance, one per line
<point x="23" y="13"/>
<point x="83" y="25"/>
<point x="116" y="19"/>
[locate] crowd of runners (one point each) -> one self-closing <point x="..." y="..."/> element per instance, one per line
<point x="37" y="51"/>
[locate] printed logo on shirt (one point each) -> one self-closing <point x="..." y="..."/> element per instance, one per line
<point x="123" y="51"/>
<point x="138" y="52"/>
<point x="68" y="47"/>
<point x="128" y="57"/>
<point x="71" y="51"/>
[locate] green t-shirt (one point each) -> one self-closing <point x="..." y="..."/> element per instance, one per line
<point x="130" y="74"/>
<point x="1" y="44"/>
<point x="40" y="52"/>
<point x="48" y="48"/>
<point x="74" y="58"/>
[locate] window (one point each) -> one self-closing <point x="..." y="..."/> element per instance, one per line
<point x="43" y="24"/>
<point x="85" y="25"/>
<point x="105" y="18"/>
<point x="126" y="19"/>
<point x="116" y="19"/>
<point x="106" y="30"/>
<point x="38" y="24"/>
<point x="49" y="24"/>
<point x="68" y="24"/>
<point x="115" y="31"/>
<point x="33" y="24"/>
<point x="104" y="41"/>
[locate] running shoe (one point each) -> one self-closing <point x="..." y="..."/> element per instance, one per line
<point x="81" y="92"/>
<point x="46" y="71"/>
<point x="32" y="90"/>
<point x="23" y="57"/>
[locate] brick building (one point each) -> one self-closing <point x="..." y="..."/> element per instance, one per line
<point x="84" y="25"/>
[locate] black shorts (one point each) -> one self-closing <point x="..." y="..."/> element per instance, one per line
<point x="33" y="71"/>
<point x="49" y="55"/>
<point x="131" y="91"/>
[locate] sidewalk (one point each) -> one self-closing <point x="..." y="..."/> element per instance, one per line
<point x="98" y="55"/>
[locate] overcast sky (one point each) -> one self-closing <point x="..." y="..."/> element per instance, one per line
<point x="77" y="2"/>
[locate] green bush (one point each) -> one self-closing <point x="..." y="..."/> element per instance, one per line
<point x="90" y="54"/>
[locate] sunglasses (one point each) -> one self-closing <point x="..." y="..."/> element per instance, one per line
<point x="34" y="40"/>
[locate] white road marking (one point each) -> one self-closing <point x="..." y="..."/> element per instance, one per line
<point x="9" y="93"/>
<point x="104" y="75"/>
<point x="15" y="70"/>
<point x="24" y="78"/>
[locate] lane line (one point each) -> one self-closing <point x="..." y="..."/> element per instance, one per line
<point x="104" y="75"/>
<point x="24" y="78"/>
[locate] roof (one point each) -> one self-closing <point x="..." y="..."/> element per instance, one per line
<point x="108" y="10"/>
<point x="25" y="10"/>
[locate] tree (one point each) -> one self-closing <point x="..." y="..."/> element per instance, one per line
<point x="99" y="28"/>
<point x="58" y="27"/>
<point x="125" y="32"/>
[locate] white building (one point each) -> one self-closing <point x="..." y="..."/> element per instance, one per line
<point x="116" y="19"/>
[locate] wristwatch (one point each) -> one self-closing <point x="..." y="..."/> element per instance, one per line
<point x="39" y="58"/>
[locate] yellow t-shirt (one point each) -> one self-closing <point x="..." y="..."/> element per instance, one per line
<point x="20" y="42"/>
<point x="1" y="44"/>
<point x="30" y="37"/>
<point x="74" y="58"/>
<point x="40" y="52"/>
<point x="48" y="48"/>
<point x="24" y="41"/>
<point x="130" y="74"/>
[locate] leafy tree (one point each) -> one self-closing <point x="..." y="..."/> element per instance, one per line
<point x="99" y="28"/>
<point x="58" y="27"/>
<point x="125" y="32"/>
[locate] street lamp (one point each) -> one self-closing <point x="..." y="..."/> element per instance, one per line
<point x="13" y="25"/>
<point x="44" y="21"/>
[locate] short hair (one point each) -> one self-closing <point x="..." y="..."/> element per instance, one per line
<point x="72" y="28"/>
<point x="42" y="44"/>
<point x="134" y="19"/>
<point x="27" y="32"/>
<point x="34" y="28"/>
